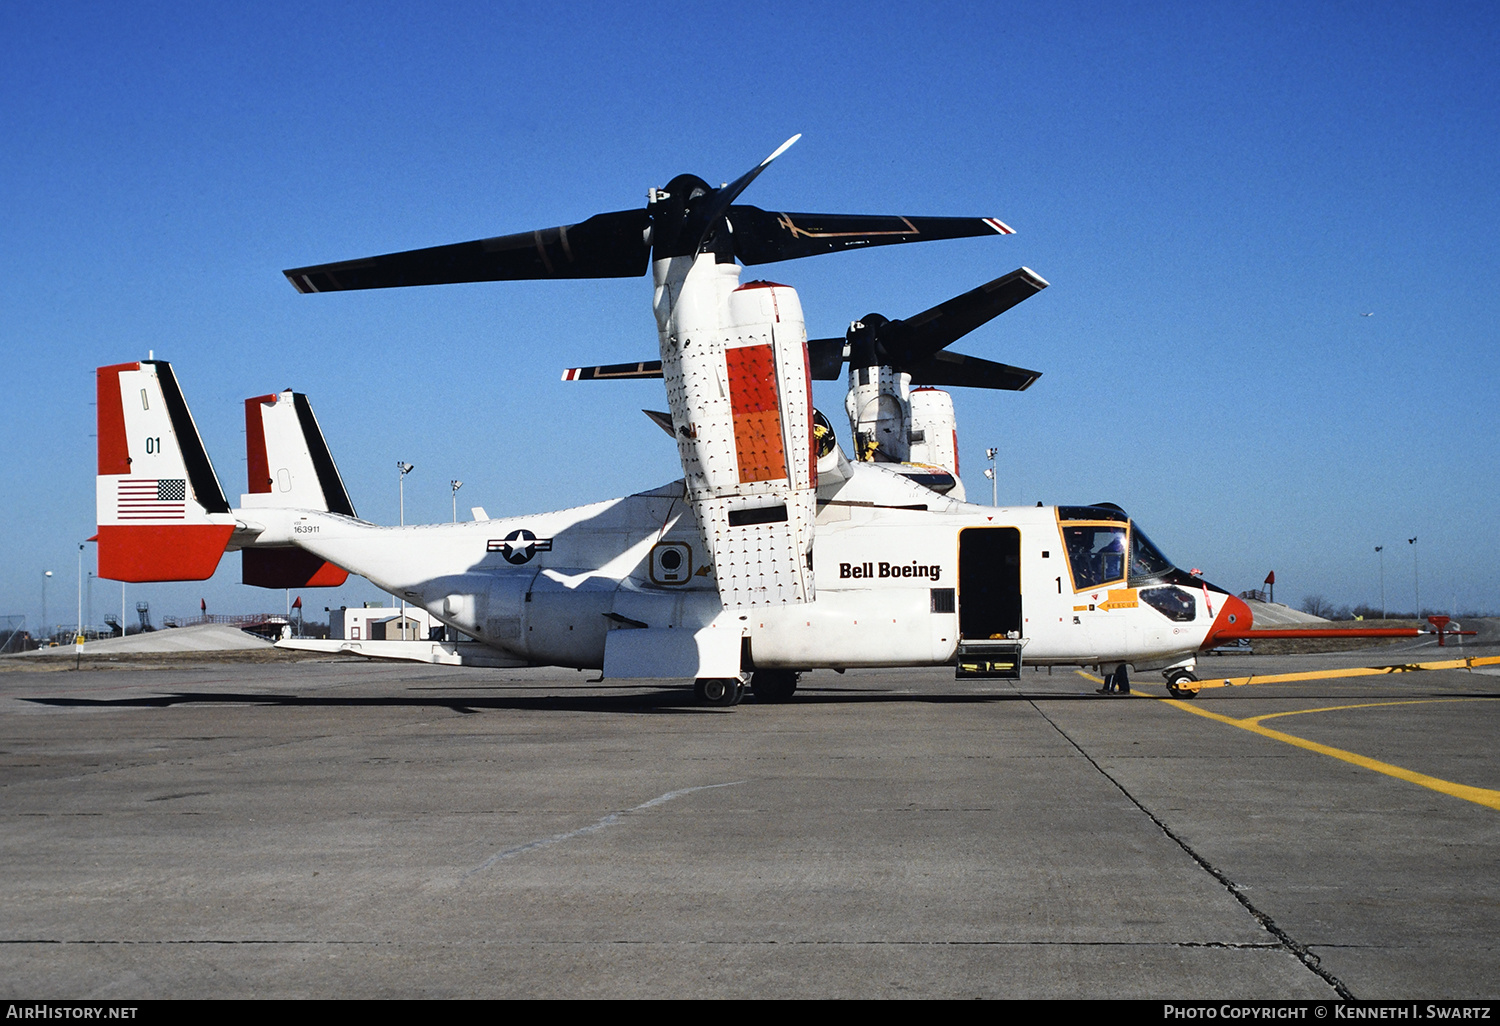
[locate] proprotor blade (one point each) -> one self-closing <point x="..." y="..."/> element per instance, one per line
<point x="762" y="237"/>
<point x="916" y="338"/>
<point x="916" y="344"/>
<point x="614" y="371"/>
<point x="825" y="358"/>
<point x="724" y="197"/>
<point x="946" y="368"/>
<point x="612" y="245"/>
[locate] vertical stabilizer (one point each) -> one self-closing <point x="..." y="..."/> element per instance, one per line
<point x="288" y="465"/>
<point x="287" y="459"/>
<point x="162" y="515"/>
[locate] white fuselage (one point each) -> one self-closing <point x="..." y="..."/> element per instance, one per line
<point x="566" y="580"/>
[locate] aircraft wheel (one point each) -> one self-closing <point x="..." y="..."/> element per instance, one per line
<point x="1182" y="684"/>
<point x="773" y="685"/>
<point x="719" y="692"/>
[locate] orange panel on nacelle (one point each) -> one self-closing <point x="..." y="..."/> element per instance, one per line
<point x="754" y="400"/>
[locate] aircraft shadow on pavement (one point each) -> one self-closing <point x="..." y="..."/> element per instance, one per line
<point x="673" y="700"/>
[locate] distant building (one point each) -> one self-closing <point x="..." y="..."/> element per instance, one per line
<point x="381" y="623"/>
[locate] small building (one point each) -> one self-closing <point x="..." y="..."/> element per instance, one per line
<point x="382" y="623"/>
<point x="396" y="628"/>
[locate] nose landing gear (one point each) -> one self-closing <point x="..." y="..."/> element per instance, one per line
<point x="1182" y="684"/>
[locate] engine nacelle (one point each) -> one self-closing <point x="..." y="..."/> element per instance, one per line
<point x="740" y="389"/>
<point x="879" y="413"/>
<point x="934" y="429"/>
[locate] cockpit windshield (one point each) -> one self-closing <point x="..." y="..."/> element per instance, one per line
<point x="1097" y="552"/>
<point x="1146" y="560"/>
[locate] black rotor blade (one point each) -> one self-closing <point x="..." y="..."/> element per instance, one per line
<point x="614" y="371"/>
<point x="948" y="368"/>
<point x="825" y="358"/>
<point x="762" y="237"/>
<point x="722" y="198"/>
<point x="612" y="245"/>
<point x="920" y="336"/>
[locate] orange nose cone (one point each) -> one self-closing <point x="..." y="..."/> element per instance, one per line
<point x="1234" y="621"/>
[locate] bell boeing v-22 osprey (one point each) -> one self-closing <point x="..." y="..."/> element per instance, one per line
<point x="774" y="554"/>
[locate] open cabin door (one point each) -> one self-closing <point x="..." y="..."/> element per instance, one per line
<point x="989" y="602"/>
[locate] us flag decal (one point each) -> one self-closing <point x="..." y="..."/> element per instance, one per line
<point x="152" y="499"/>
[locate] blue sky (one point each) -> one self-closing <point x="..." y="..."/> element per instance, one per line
<point x="1215" y="191"/>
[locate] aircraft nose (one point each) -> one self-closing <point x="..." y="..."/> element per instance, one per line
<point x="1234" y="621"/>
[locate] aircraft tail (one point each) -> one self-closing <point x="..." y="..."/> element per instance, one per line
<point x="162" y="515"/>
<point x="288" y="465"/>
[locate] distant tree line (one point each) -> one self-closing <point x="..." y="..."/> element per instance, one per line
<point x="1317" y="605"/>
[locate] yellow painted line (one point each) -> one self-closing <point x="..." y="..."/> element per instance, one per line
<point x="1353" y="671"/>
<point x="1361" y="705"/>
<point x="1478" y="795"/>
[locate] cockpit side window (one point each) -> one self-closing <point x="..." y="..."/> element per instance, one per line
<point x="1096" y="553"/>
<point x="1173" y="603"/>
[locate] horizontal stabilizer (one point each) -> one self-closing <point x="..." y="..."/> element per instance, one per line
<point x="763" y="237"/>
<point x="612" y="245"/>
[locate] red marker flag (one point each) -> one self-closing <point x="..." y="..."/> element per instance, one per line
<point x="1271" y="577"/>
<point x="298" y="603"/>
<point x="203" y="605"/>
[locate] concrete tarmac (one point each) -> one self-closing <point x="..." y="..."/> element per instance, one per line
<point x="337" y="828"/>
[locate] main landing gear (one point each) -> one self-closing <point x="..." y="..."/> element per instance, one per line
<point x="767" y="685"/>
<point x="1182" y="684"/>
<point x="773" y="685"/>
<point x="718" y="692"/>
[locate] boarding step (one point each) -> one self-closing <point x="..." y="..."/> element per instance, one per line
<point x="992" y="659"/>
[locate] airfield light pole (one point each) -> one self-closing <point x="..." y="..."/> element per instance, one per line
<point x="1416" y="582"/>
<point x="456" y="486"/>
<point x="405" y="468"/>
<point x="78" y="634"/>
<point x="45" y="574"/>
<point x="1380" y="551"/>
<point x="990" y="455"/>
